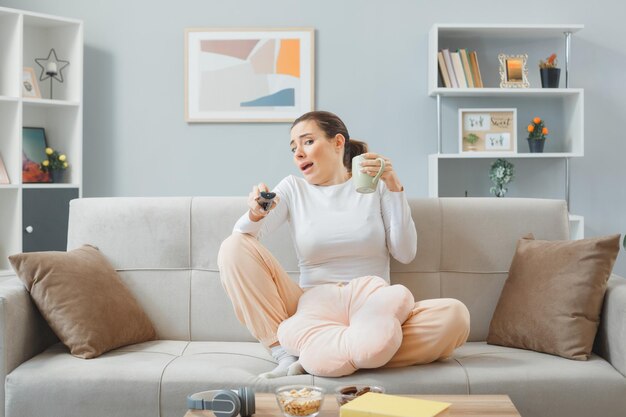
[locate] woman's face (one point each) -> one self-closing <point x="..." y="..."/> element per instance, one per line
<point x="319" y="159"/>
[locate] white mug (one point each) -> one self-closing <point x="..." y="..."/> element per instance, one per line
<point x="363" y="182"/>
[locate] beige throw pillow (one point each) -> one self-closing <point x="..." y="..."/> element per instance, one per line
<point x="552" y="298"/>
<point x="83" y="300"/>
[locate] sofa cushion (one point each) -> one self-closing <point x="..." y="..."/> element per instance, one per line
<point x="55" y="383"/>
<point x="544" y="385"/>
<point x="552" y="298"/>
<point x="83" y="300"/>
<point x="332" y="329"/>
<point x="153" y="379"/>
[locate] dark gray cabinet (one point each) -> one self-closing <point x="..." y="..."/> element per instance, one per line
<point x="45" y="214"/>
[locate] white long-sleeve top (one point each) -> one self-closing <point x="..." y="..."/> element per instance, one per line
<point x="340" y="234"/>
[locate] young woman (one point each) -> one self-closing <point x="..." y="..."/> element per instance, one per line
<point x="339" y="235"/>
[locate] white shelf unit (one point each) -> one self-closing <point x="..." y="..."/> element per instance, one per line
<point x="24" y="36"/>
<point x="566" y="105"/>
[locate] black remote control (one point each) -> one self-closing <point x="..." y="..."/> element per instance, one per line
<point x="266" y="199"/>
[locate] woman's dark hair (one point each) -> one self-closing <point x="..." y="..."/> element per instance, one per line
<point x="332" y="125"/>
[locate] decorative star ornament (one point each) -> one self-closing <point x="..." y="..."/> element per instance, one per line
<point x="51" y="67"/>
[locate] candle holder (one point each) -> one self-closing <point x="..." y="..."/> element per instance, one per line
<point x="51" y="68"/>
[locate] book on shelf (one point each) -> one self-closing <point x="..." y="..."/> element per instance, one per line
<point x="450" y="68"/>
<point x="459" y="69"/>
<point x="466" y="67"/>
<point x="443" y="71"/>
<point x="478" y="80"/>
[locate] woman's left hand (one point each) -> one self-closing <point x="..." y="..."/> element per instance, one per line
<point x="371" y="166"/>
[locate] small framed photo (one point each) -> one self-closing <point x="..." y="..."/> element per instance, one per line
<point x="34" y="146"/>
<point x="248" y="75"/>
<point x="488" y="131"/>
<point x="4" y="175"/>
<point x="513" y="71"/>
<point x="30" y="88"/>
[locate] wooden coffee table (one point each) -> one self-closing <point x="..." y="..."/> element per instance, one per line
<point x="462" y="406"/>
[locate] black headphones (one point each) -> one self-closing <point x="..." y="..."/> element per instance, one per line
<point x="224" y="403"/>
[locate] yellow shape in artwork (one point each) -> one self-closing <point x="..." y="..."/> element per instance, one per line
<point x="288" y="61"/>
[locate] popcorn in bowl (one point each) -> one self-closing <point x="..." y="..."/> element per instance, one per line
<point x="348" y="393"/>
<point x="300" y="400"/>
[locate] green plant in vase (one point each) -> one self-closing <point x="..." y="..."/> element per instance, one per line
<point x="501" y="173"/>
<point x="537" y="132"/>
<point x="55" y="163"/>
<point x="471" y="139"/>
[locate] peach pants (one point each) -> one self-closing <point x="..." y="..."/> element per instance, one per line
<point x="263" y="296"/>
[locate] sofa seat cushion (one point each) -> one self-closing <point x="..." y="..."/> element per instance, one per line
<point x="152" y="379"/>
<point x="149" y="379"/>
<point x="55" y="383"/>
<point x="540" y="384"/>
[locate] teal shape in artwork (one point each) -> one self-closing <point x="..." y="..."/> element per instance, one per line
<point x="286" y="97"/>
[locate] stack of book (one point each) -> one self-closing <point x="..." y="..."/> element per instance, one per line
<point x="459" y="69"/>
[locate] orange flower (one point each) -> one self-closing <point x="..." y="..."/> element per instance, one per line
<point x="531" y="128"/>
<point x="544" y="131"/>
<point x="537" y="120"/>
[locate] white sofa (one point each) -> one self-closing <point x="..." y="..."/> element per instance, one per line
<point x="165" y="250"/>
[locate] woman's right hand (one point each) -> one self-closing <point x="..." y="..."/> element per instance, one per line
<point x="256" y="211"/>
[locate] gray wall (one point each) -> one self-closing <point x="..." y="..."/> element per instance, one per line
<point x="370" y="69"/>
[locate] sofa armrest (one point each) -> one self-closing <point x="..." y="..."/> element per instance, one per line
<point x="23" y="332"/>
<point x="611" y="339"/>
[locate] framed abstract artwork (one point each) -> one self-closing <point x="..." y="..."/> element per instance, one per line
<point x="248" y="75"/>
<point x="34" y="146"/>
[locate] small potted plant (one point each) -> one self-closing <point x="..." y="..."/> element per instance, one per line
<point x="501" y="173"/>
<point x="471" y="139"/>
<point x="537" y="135"/>
<point x="550" y="74"/>
<point x="55" y="163"/>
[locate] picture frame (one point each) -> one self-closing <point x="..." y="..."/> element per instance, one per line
<point x="4" y="175"/>
<point x="34" y="144"/>
<point x="30" y="87"/>
<point x="494" y="131"/>
<point x="248" y="75"/>
<point x="513" y="71"/>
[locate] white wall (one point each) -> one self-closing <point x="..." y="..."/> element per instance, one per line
<point x="370" y="69"/>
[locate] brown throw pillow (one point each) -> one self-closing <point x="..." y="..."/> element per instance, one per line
<point x="83" y="300"/>
<point x="552" y="298"/>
